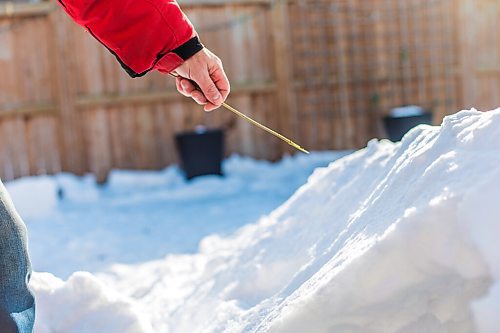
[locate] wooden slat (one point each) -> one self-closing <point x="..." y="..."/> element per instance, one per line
<point x="287" y="106"/>
<point x="224" y="3"/>
<point x="64" y="66"/>
<point x="25" y="10"/>
<point x="321" y="72"/>
<point x="91" y="101"/>
<point x="165" y="149"/>
<point x="28" y="110"/>
<point x="98" y="141"/>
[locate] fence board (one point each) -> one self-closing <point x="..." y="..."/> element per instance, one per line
<point x="322" y="72"/>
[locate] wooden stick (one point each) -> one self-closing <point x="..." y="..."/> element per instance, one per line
<point x="252" y="121"/>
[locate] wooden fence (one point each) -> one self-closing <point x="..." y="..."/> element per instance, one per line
<point x="322" y="72"/>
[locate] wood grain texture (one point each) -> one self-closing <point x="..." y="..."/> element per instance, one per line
<point x="322" y="72"/>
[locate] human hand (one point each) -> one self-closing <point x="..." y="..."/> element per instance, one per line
<point x="204" y="68"/>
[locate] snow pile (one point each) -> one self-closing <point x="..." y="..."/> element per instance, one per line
<point x="407" y="111"/>
<point x="34" y="196"/>
<point x="83" y="304"/>
<point x="75" y="224"/>
<point x="393" y="238"/>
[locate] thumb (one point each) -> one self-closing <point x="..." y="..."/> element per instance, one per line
<point x="209" y="89"/>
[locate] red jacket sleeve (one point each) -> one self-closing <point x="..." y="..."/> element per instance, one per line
<point x="142" y="34"/>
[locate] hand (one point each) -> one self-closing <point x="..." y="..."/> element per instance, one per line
<point x="204" y="68"/>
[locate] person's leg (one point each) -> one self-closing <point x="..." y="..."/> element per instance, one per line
<point x="7" y="325"/>
<point x="16" y="300"/>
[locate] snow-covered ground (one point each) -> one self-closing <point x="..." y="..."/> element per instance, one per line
<point x="393" y="238"/>
<point x="144" y="215"/>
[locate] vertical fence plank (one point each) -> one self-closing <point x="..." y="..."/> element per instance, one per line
<point x="165" y="131"/>
<point x="344" y="93"/>
<point x="64" y="69"/>
<point x="284" y="74"/>
<point x="338" y="67"/>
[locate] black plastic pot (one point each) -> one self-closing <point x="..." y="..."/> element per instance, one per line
<point x="398" y="126"/>
<point x="201" y="152"/>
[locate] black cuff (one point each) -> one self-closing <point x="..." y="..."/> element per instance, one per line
<point x="189" y="48"/>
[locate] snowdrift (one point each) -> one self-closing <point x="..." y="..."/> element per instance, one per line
<point x="394" y="238"/>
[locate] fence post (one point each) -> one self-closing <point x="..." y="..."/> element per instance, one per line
<point x="64" y="69"/>
<point x="287" y="106"/>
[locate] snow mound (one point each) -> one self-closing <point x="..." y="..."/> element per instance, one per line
<point x="397" y="237"/>
<point x="83" y="305"/>
<point x="25" y="191"/>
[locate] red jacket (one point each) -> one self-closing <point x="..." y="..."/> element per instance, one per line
<point x="142" y="34"/>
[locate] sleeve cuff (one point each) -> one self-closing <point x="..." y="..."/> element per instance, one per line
<point x="176" y="57"/>
<point x="189" y="48"/>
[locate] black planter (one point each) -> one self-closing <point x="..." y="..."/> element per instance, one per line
<point x="201" y="152"/>
<point x="398" y="126"/>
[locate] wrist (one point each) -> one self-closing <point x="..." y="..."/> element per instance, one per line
<point x="189" y="48"/>
<point x="177" y="56"/>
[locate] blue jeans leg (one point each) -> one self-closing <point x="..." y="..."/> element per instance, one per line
<point x="17" y="304"/>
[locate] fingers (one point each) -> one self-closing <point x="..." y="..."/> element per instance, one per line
<point x="205" y="69"/>
<point x="180" y="88"/>
<point x="186" y="88"/>
<point x="198" y="97"/>
<point x="208" y="87"/>
<point x="210" y="107"/>
<point x="218" y="84"/>
<point x="220" y="79"/>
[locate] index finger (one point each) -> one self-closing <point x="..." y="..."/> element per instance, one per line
<point x="220" y="80"/>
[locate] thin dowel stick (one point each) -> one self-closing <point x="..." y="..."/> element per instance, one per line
<point x="265" y="128"/>
<point x="254" y="122"/>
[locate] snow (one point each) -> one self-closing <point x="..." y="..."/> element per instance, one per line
<point x="34" y="196"/>
<point x="84" y="304"/>
<point x="144" y="215"/>
<point x="397" y="237"/>
<point x="407" y="111"/>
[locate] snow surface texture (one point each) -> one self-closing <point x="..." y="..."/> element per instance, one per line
<point x="407" y="111"/>
<point x="140" y="216"/>
<point x="393" y="238"/>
